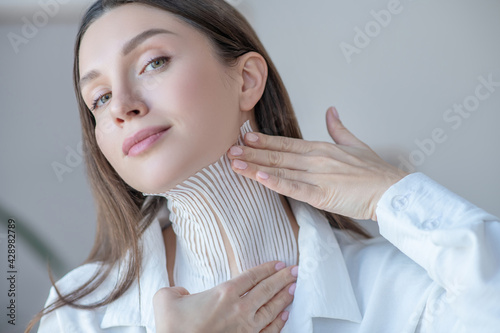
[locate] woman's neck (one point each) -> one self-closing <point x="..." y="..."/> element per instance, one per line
<point x="226" y="223"/>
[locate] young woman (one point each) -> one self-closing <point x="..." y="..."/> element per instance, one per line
<point x="179" y="101"/>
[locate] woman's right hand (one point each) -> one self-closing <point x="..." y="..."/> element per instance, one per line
<point x="251" y="302"/>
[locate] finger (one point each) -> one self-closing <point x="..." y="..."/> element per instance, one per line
<point x="250" y="170"/>
<point x="251" y="277"/>
<point x="279" y="143"/>
<point x="318" y="154"/>
<point x="265" y="291"/>
<point x="302" y="168"/>
<point x="269" y="312"/>
<point x="302" y="188"/>
<point x="339" y="133"/>
<point x="277" y="325"/>
<point x="268" y="157"/>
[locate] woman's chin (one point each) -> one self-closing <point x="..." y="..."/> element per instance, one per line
<point x="156" y="185"/>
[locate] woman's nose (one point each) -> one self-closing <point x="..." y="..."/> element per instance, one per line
<point x="126" y="106"/>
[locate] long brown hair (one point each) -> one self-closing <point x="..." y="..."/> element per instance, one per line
<point x="124" y="213"/>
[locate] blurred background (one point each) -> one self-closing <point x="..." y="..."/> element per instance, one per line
<point x="419" y="81"/>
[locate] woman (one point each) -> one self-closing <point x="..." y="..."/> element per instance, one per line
<point x="165" y="89"/>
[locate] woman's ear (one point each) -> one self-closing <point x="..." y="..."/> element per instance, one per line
<point x="252" y="68"/>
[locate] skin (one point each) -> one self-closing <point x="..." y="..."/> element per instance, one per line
<point x="250" y="302"/>
<point x="187" y="89"/>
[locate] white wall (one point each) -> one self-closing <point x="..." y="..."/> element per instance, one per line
<point x="393" y="93"/>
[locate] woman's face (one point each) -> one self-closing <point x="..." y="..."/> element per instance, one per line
<point x="164" y="105"/>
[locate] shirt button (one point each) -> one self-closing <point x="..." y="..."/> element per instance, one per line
<point x="430" y="224"/>
<point x="399" y="202"/>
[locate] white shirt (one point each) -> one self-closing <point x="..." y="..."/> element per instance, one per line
<point x="436" y="269"/>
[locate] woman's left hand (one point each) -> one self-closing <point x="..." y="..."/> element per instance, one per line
<point x="347" y="178"/>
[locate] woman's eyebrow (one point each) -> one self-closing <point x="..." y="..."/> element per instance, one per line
<point x="140" y="38"/>
<point x="129" y="47"/>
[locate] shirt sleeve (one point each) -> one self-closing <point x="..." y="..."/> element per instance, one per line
<point x="456" y="242"/>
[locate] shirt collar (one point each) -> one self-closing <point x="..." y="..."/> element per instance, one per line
<point x="124" y="311"/>
<point x="323" y="285"/>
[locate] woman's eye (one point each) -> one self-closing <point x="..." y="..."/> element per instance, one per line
<point x="101" y="100"/>
<point x="153" y="64"/>
<point x="156" y="64"/>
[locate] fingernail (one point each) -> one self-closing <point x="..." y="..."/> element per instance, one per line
<point x="262" y="175"/>
<point x="280" y="265"/>
<point x="240" y="164"/>
<point x="291" y="290"/>
<point x="252" y="137"/>
<point x="295" y="271"/>
<point x="335" y="113"/>
<point x="236" y="151"/>
<point x="284" y="316"/>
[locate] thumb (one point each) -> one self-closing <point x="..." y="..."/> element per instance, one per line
<point x="179" y="291"/>
<point x="338" y="132"/>
<point x="168" y="294"/>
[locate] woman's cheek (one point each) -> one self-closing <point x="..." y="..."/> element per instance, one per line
<point x="107" y="145"/>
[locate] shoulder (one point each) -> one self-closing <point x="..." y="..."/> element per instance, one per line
<point x="78" y="277"/>
<point x="68" y="318"/>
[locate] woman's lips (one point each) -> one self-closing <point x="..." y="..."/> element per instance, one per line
<point x="142" y="140"/>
